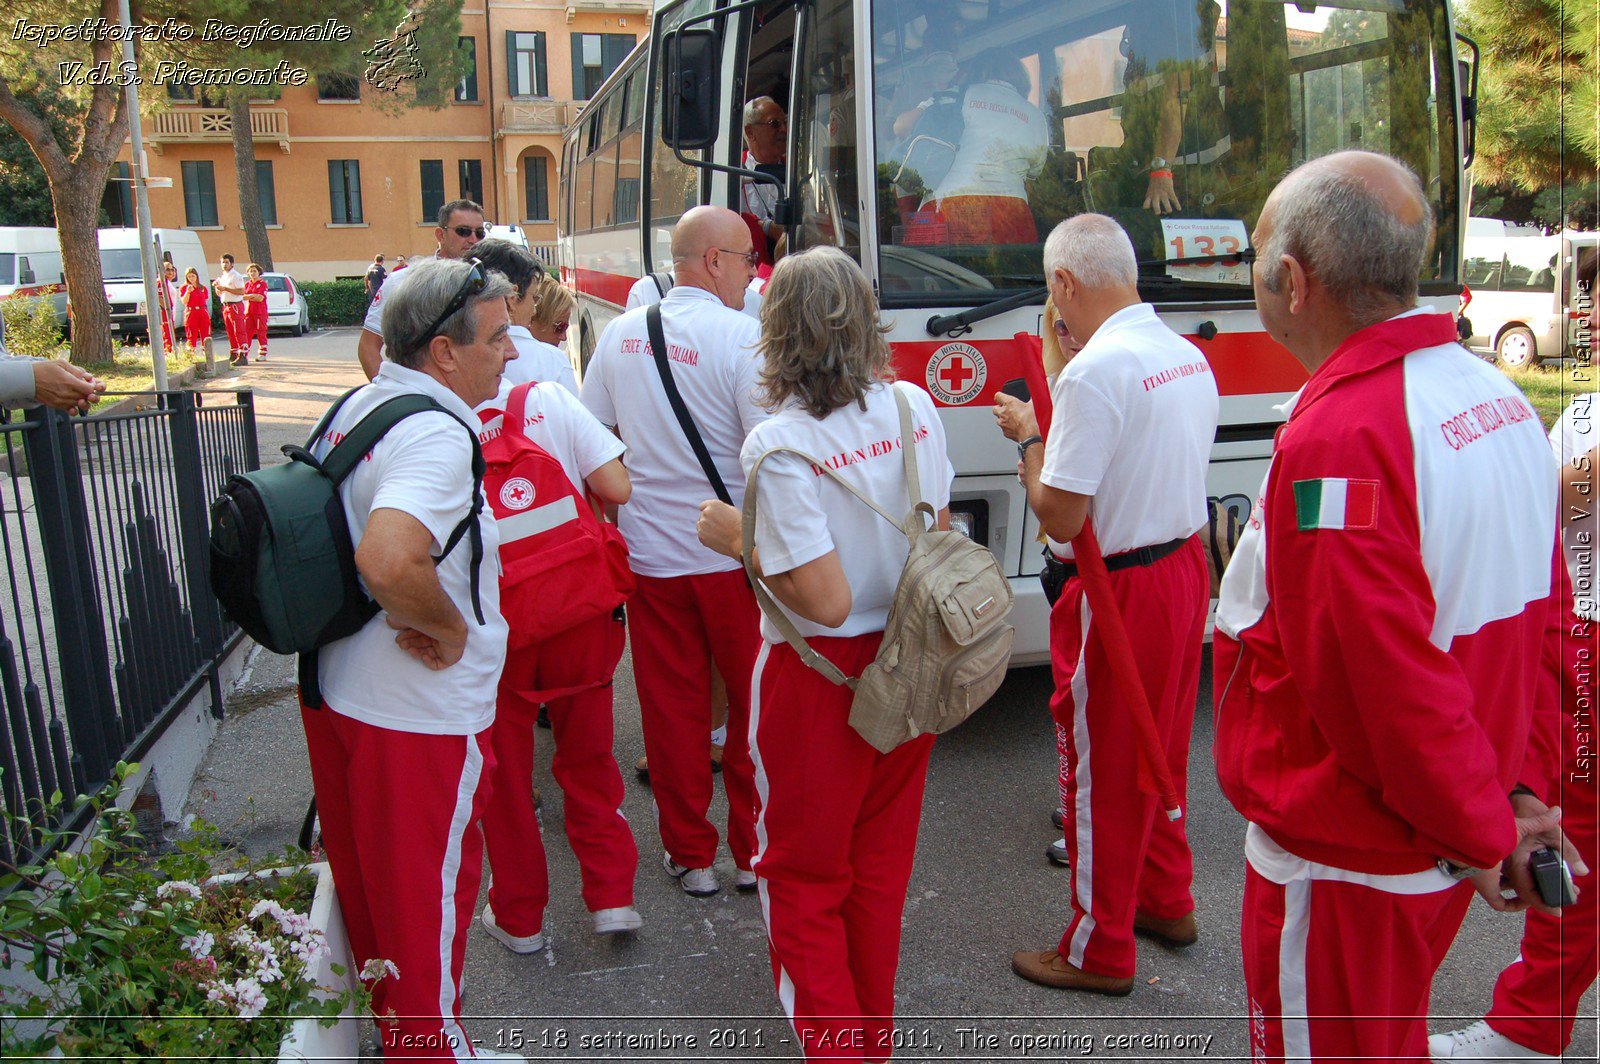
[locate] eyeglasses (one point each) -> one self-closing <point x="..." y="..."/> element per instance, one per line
<point x="562" y="326"/>
<point x="1061" y="328"/>
<point x="772" y="123"/>
<point x="750" y="257"/>
<point x="464" y="231"/>
<point x="474" y="283"/>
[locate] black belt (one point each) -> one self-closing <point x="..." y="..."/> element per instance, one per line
<point x="1125" y="560"/>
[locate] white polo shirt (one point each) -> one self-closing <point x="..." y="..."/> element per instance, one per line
<point x="421" y="467"/>
<point x="537" y="361"/>
<point x="715" y="366"/>
<point x="555" y="420"/>
<point x="801" y="514"/>
<point x="644" y="292"/>
<point x="373" y="322"/>
<point x="232" y="279"/>
<point x="1135" y="417"/>
<point x="1575" y="434"/>
<point x="1003" y="144"/>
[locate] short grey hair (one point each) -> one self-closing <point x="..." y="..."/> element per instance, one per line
<point x="425" y="290"/>
<point x="752" y="110"/>
<point x="1094" y="249"/>
<point x="1340" y="229"/>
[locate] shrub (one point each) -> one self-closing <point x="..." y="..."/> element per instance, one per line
<point x="342" y="302"/>
<point x="31" y="327"/>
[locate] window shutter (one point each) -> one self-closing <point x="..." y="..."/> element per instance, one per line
<point x="577" y="68"/>
<point x="616" y="48"/>
<point x="511" y="64"/>
<point x="542" y="88"/>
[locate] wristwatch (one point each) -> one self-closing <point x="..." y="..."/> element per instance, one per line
<point x="1455" y="871"/>
<point x="1023" y="445"/>
<point x="1158" y="163"/>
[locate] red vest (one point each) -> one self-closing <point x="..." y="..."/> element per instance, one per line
<point x="561" y="566"/>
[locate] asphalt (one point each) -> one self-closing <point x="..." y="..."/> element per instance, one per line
<point x="695" y="982"/>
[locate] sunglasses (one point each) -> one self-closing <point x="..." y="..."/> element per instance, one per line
<point x="464" y="231"/>
<point x="750" y="257"/>
<point x="1061" y="328"/>
<point x="772" y="123"/>
<point x="476" y="279"/>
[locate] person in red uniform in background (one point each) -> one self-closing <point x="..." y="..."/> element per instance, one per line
<point x="1384" y="720"/>
<point x="171" y="299"/>
<point x="197" y="308"/>
<point x="255" y="310"/>
<point x="1536" y="998"/>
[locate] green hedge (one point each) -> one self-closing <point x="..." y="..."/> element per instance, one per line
<point x="335" y="302"/>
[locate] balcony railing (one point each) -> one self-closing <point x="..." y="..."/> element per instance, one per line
<point x="192" y="124"/>
<point x="538" y="116"/>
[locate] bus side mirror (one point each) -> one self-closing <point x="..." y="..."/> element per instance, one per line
<point x="691" y="67"/>
<point x="1467" y="90"/>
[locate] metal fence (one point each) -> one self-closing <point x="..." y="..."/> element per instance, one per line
<point x="109" y="628"/>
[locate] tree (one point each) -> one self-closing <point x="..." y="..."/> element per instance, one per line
<point x="1538" y="92"/>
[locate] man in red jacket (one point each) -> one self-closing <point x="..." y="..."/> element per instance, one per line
<point x="1380" y="629"/>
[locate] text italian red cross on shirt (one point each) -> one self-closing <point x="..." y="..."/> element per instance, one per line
<point x="956" y="374"/>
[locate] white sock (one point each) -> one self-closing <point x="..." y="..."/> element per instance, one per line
<point x="719" y="736"/>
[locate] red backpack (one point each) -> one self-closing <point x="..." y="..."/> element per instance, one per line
<point x="560" y="565"/>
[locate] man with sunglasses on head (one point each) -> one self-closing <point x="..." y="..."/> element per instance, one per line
<point x="692" y="606"/>
<point x="460" y="227"/>
<point x="399" y="747"/>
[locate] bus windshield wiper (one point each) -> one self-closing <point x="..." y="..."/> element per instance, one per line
<point x="958" y="325"/>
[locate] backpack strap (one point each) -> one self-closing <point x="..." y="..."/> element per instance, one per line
<point x="658" y="347"/>
<point x="663" y="282"/>
<point x="515" y="421"/>
<point x="913" y="525"/>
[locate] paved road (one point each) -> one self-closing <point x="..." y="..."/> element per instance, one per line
<point x="699" y="967"/>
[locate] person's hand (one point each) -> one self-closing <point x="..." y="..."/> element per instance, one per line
<point x="65" y="386"/>
<point x="1015" y="418"/>
<point x="721" y="528"/>
<point x="435" y="653"/>
<point x="1161" y="197"/>
<point x="1538" y="826"/>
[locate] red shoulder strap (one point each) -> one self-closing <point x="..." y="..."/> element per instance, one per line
<point x="516" y="419"/>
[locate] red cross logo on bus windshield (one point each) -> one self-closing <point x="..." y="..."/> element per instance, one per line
<point x="956" y="374"/>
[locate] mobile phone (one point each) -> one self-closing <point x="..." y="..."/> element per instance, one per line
<point x="1552" y="878"/>
<point x="1017" y="388"/>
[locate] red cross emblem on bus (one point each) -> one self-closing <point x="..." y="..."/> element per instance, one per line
<point x="956" y="373"/>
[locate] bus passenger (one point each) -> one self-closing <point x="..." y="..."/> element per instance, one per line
<point x="839" y="819"/>
<point x="766" y="132"/>
<point x="983" y="198"/>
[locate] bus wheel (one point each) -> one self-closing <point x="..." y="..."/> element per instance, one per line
<point x="1517" y="349"/>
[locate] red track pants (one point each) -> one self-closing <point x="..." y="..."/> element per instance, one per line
<point x="400" y="819"/>
<point x="1339" y="964"/>
<point x="837" y="832"/>
<point x="233" y="321"/>
<point x="255" y="327"/>
<point x="1536" y="998"/>
<point x="1126" y="854"/>
<point x="584" y="767"/>
<point x="681" y="624"/>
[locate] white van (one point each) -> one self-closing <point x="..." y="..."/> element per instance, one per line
<point x="1524" y="296"/>
<point x="30" y="265"/>
<point x="512" y="234"/>
<point x="124" y="276"/>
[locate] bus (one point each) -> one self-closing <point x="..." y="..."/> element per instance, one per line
<point x="1196" y="107"/>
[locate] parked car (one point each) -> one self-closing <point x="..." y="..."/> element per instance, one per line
<point x="286" y="305"/>
<point x="1524" y="295"/>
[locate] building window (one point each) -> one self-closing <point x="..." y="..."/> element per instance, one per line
<point x="467" y="87"/>
<point x="471" y="174"/>
<point x="535" y="189"/>
<point x="344" y="191"/>
<point x="179" y="92"/>
<point x="338" y="87"/>
<point x="594" y="57"/>
<point x="117" y="202"/>
<point x="266" y="192"/>
<point x="199" y="194"/>
<point x="525" y="64"/>
<point x="432" y="188"/>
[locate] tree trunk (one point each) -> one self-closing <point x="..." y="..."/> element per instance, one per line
<point x="77" y="206"/>
<point x="244" y="165"/>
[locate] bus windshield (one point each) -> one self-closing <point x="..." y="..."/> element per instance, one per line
<point x="992" y="120"/>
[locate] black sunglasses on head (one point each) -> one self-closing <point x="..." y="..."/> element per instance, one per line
<point x="476" y="279"/>
<point x="464" y="231"/>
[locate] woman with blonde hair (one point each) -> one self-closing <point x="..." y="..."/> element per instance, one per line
<point x="554" y="312"/>
<point x="838" y="820"/>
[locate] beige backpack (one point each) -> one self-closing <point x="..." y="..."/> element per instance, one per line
<point x="946" y="643"/>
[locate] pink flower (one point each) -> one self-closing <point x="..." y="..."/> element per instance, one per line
<point x="178" y="886"/>
<point x="199" y="945"/>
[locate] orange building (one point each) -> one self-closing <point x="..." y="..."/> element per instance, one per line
<point x="343" y="178"/>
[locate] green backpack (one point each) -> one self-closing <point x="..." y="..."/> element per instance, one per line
<point x="282" y="562"/>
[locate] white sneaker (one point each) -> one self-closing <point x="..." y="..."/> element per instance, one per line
<point x="614" y="921"/>
<point x="515" y="943"/>
<point x="1479" y="1042"/>
<point x="701" y="882"/>
<point x="747" y="880"/>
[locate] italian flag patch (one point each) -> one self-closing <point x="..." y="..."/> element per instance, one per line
<point x="1336" y="503"/>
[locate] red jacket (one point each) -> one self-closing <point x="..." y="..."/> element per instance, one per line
<point x="1381" y="625"/>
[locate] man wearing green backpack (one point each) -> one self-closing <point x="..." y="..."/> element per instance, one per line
<point x="398" y="747"/>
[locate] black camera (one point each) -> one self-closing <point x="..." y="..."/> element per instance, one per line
<point x="1552" y="878"/>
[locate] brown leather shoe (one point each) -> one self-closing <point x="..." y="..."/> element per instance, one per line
<point x="1051" y="969"/>
<point x="716" y="758"/>
<point x="641" y="768"/>
<point x="1180" y="932"/>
